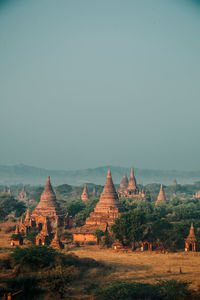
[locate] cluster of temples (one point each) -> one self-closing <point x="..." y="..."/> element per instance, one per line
<point x="6" y="191"/>
<point x="46" y="218"/>
<point x="105" y="212"/>
<point x="128" y="187"/>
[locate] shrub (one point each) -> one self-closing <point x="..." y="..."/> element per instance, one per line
<point x="31" y="236"/>
<point x="29" y="286"/>
<point x="4" y="264"/>
<point x="33" y="257"/>
<point x="163" y="290"/>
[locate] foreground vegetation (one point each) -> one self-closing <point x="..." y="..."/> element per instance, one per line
<point x="39" y="272"/>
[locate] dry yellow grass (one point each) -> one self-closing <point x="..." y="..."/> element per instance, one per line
<point x="146" y="267"/>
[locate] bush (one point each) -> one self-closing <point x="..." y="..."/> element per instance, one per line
<point x="29" y="286"/>
<point x="129" y="291"/>
<point x="4" y="264"/>
<point x="31" y="236"/>
<point x="163" y="290"/>
<point x="33" y="257"/>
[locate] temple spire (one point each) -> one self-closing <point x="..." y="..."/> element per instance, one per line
<point x="124" y="182"/>
<point x="85" y="196"/>
<point x="191" y="234"/>
<point x="27" y="218"/>
<point x="132" y="182"/>
<point x="109" y="197"/>
<point x="161" y="196"/>
<point x="94" y="192"/>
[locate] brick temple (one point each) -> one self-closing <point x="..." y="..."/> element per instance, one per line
<point x="104" y="214"/>
<point x="190" y="241"/>
<point x="129" y="188"/>
<point x="46" y="217"/>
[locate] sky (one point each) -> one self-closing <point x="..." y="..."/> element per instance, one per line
<point x="93" y="83"/>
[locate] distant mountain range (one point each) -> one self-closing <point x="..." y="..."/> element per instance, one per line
<point x="10" y="175"/>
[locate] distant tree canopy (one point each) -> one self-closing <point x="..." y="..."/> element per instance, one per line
<point x="8" y="204"/>
<point x="64" y="189"/>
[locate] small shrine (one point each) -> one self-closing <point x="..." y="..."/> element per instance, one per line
<point x="190" y="241"/>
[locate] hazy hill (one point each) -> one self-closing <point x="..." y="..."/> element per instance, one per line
<point x="30" y="175"/>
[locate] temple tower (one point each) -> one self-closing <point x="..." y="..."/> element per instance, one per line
<point x="132" y="182"/>
<point x="161" y="196"/>
<point x="94" y="192"/>
<point x="104" y="214"/>
<point x="124" y="182"/>
<point x="109" y="198"/>
<point x="85" y="196"/>
<point x="190" y="241"/>
<point x="47" y="207"/>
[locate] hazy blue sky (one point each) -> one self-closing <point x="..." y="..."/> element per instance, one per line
<point x="89" y="83"/>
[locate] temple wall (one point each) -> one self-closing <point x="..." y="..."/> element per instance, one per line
<point x="81" y="237"/>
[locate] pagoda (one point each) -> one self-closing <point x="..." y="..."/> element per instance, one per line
<point x="129" y="189"/>
<point x="132" y="182"/>
<point x="161" y="197"/>
<point x="104" y="214"/>
<point x="190" y="241"/>
<point x="47" y="207"/>
<point x="85" y="196"/>
<point x="23" y="195"/>
<point x="124" y="182"/>
<point x="45" y="217"/>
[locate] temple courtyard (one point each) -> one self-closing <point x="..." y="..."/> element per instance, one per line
<point x="146" y="266"/>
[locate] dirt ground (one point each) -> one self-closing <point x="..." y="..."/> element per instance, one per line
<point x="146" y="266"/>
<point x="135" y="266"/>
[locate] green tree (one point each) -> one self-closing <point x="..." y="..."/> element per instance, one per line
<point x="129" y="227"/>
<point x="98" y="233"/>
<point x="8" y="204"/>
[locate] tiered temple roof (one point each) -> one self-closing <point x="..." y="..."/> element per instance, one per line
<point x="47" y="206"/>
<point x="106" y="210"/>
<point x="85" y="196"/>
<point x="161" y="196"/>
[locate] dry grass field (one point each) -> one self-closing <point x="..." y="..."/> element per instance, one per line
<point x="146" y="266"/>
<point x="134" y="266"/>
